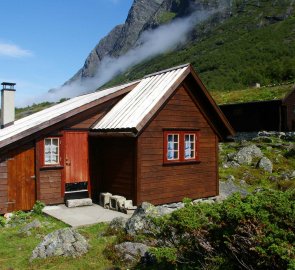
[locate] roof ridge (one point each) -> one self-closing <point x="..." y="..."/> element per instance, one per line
<point x="166" y="70"/>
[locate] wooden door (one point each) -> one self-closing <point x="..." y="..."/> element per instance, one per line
<point x="76" y="157"/>
<point x="21" y="180"/>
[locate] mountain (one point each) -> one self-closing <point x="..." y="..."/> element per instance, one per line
<point x="232" y="43"/>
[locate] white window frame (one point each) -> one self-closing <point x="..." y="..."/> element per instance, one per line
<point x="194" y="141"/>
<point x="51" y="162"/>
<point x="174" y="150"/>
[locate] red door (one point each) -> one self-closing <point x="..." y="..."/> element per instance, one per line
<point x="76" y="157"/>
<point x="21" y="180"/>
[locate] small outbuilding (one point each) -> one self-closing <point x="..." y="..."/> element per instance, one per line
<point x="269" y="115"/>
<point x="155" y="140"/>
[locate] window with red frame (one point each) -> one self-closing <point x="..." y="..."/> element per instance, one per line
<point x="181" y="146"/>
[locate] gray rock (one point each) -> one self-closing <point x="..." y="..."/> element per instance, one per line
<point x="246" y="154"/>
<point x="63" y="242"/>
<point x="32" y="225"/>
<point x="231" y="164"/>
<point x="118" y="223"/>
<point x="265" y="164"/>
<point x="140" y="220"/>
<point x="228" y="188"/>
<point x="131" y="252"/>
<point x="230" y="178"/>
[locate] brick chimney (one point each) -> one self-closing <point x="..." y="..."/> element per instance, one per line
<point x="7" y="104"/>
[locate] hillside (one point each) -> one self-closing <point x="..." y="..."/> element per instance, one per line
<point x="255" y="44"/>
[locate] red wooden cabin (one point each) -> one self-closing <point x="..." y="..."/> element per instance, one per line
<point x="153" y="140"/>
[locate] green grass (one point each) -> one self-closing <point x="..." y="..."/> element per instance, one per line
<point x="16" y="248"/>
<point x="252" y="94"/>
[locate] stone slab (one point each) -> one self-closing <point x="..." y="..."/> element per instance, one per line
<point x="78" y="202"/>
<point x="82" y="216"/>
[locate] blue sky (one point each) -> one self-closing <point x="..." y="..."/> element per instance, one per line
<point x="44" y="42"/>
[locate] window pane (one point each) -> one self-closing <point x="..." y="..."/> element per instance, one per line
<point x="175" y="155"/>
<point x="51" y="151"/>
<point x="189" y="146"/>
<point x="172" y="146"/>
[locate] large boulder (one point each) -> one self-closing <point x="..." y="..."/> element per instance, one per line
<point x="64" y="242"/>
<point x="246" y="154"/>
<point x="265" y="164"/>
<point x="131" y="252"/>
<point x="228" y="188"/>
<point x="118" y="224"/>
<point x="140" y="220"/>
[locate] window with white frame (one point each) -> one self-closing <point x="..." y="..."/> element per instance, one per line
<point x="189" y="146"/>
<point x="172" y="146"/>
<point x="51" y="151"/>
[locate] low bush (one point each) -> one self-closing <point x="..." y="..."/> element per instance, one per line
<point x="38" y="207"/>
<point x="2" y="221"/>
<point x="254" y="232"/>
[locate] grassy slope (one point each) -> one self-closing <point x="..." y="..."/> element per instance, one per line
<point x="16" y="248"/>
<point x="252" y="94"/>
<point x="243" y="50"/>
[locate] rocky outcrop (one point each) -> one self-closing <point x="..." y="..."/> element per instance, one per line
<point x="122" y="38"/>
<point x="64" y="242"/>
<point x="131" y="252"/>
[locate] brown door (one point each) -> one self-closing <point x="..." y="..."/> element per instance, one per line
<point x="76" y="157"/>
<point x="21" y="180"/>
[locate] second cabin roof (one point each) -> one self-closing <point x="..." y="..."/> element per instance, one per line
<point x="135" y="109"/>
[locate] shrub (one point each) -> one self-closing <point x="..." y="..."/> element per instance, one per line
<point x="38" y="207"/>
<point x="255" y="232"/>
<point x="2" y="221"/>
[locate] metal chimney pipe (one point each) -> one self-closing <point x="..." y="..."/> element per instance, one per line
<point x="7" y="104"/>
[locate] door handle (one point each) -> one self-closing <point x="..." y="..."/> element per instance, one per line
<point x="33" y="177"/>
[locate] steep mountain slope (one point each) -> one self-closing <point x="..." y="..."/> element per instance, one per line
<point x="143" y="15"/>
<point x="255" y="44"/>
<point x="240" y="43"/>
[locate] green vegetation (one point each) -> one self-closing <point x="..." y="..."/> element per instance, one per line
<point x="280" y="152"/>
<point x="254" y="45"/>
<point x="166" y="17"/>
<point x="252" y="94"/>
<point x="16" y="247"/>
<point x="255" y="232"/>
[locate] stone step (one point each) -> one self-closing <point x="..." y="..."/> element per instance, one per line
<point x="78" y="202"/>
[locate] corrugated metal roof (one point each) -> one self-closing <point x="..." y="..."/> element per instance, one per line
<point x="55" y="111"/>
<point x="136" y="108"/>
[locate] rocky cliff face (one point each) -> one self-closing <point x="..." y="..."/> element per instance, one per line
<point x="143" y="15"/>
<point x="150" y="14"/>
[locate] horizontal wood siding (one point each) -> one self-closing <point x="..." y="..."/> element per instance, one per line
<point x="50" y="186"/>
<point x="3" y="187"/>
<point x="160" y="183"/>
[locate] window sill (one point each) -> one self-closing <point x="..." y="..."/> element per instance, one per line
<point x="179" y="163"/>
<point x="51" y="167"/>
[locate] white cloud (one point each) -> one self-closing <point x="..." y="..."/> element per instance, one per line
<point x="12" y="50"/>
